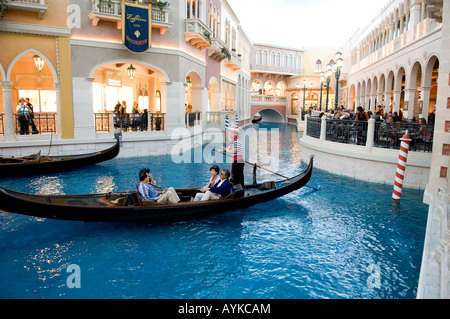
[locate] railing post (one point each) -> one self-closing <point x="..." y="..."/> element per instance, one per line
<point x="306" y="124"/>
<point x="323" y="128"/>
<point x="370" y="133"/>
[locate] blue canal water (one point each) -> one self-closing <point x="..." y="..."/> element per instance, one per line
<point x="347" y="240"/>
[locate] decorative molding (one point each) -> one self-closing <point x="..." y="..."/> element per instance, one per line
<point x="34" y="29"/>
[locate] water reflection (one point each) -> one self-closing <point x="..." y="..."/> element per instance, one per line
<point x="47" y="185"/>
<point x="105" y="184"/>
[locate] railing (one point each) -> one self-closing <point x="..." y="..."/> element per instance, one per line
<point x="35" y="123"/>
<point x="193" y="118"/>
<point x="388" y="135"/>
<point x="158" y="16"/>
<point x="313" y="127"/>
<point x="385" y="135"/>
<point x="2" y="125"/>
<point x="139" y="122"/>
<point x="258" y="98"/>
<point x="346" y="131"/>
<point x="217" y="119"/>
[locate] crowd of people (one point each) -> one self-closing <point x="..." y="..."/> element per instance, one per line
<point x="378" y="115"/>
<point x="136" y="121"/>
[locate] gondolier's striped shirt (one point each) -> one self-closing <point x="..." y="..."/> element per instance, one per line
<point x="237" y="143"/>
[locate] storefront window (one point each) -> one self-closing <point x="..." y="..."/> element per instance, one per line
<point x="43" y="101"/>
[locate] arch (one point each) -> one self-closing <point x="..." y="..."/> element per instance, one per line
<point x="47" y="61"/>
<point x="351" y="97"/>
<point x="271" y="116"/>
<point x="269" y="88"/>
<point x="257" y="87"/>
<point x="280" y="89"/>
<point x="2" y="73"/>
<point x="198" y="78"/>
<point x="164" y="76"/>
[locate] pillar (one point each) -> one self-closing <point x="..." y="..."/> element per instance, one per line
<point x="414" y="18"/>
<point x="173" y="105"/>
<point x="425" y="102"/>
<point x="83" y="115"/>
<point x="410" y="95"/>
<point x="397" y="97"/>
<point x="8" y="117"/>
<point x="387" y="99"/>
<point x="58" y="110"/>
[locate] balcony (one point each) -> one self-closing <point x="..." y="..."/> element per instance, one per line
<point x="113" y="13"/>
<point x="197" y="33"/>
<point x="38" y="6"/>
<point x="235" y="62"/>
<point x="268" y="99"/>
<point x="215" y="50"/>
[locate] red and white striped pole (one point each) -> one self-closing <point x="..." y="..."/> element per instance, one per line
<point x="401" y="167"/>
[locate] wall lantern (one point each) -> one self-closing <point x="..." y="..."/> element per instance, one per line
<point x="39" y="62"/>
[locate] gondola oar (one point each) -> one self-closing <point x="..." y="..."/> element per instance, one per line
<point x="257" y="166"/>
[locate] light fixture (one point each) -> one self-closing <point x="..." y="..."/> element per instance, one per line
<point x="131" y="71"/>
<point x="188" y="82"/>
<point x="338" y="55"/>
<point x="39" y="62"/>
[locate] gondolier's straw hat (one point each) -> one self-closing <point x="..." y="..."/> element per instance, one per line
<point x="234" y="129"/>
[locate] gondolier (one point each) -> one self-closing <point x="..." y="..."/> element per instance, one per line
<point x="236" y="149"/>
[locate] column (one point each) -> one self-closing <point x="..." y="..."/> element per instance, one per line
<point x="387" y="99"/>
<point x="425" y="102"/>
<point x="397" y="96"/>
<point x="8" y="117"/>
<point x="379" y="99"/>
<point x="410" y="95"/>
<point x="173" y="105"/>
<point x="84" y="124"/>
<point x="373" y="102"/>
<point x="58" y="110"/>
<point x="414" y="18"/>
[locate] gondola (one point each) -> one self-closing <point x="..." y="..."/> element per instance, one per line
<point x="128" y="207"/>
<point x="257" y="118"/>
<point x="37" y="164"/>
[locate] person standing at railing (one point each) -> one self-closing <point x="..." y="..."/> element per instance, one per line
<point x="23" y="117"/>
<point x="361" y="115"/>
<point x="30" y="106"/>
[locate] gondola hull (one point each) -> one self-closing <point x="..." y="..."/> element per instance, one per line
<point x="126" y="207"/>
<point x="19" y="167"/>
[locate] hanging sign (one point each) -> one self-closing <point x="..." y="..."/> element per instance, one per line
<point x="136" y="26"/>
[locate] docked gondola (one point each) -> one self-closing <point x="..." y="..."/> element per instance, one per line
<point x="257" y="118"/>
<point x="128" y="207"/>
<point x="38" y="164"/>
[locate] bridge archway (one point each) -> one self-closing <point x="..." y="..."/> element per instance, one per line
<point x="271" y="116"/>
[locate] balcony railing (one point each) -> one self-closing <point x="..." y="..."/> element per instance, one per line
<point x="235" y="62"/>
<point x="36" y="123"/>
<point x="193" y="118"/>
<point x="217" y="119"/>
<point x="141" y="122"/>
<point x="38" y="6"/>
<point x="215" y="50"/>
<point x="197" y="34"/>
<point x="113" y="13"/>
<point x="258" y="98"/>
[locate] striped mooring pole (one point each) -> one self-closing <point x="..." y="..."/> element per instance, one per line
<point x="401" y="167"/>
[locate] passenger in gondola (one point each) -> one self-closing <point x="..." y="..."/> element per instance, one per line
<point x="148" y="192"/>
<point x="215" y="178"/>
<point x="221" y="190"/>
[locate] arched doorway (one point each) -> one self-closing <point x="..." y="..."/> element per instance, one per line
<point x="33" y="79"/>
<point x="128" y="95"/>
<point x="430" y="87"/>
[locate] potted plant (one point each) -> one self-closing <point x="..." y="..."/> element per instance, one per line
<point x="226" y="53"/>
<point x="99" y="5"/>
<point x="160" y="4"/>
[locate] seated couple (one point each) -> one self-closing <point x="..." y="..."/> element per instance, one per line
<point x="148" y="191"/>
<point x="218" y="187"/>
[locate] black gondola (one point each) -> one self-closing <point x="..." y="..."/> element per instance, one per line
<point x="257" y="118"/>
<point x="36" y="164"/>
<point x="127" y="206"/>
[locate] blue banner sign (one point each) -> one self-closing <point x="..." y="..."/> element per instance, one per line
<point x="136" y="27"/>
